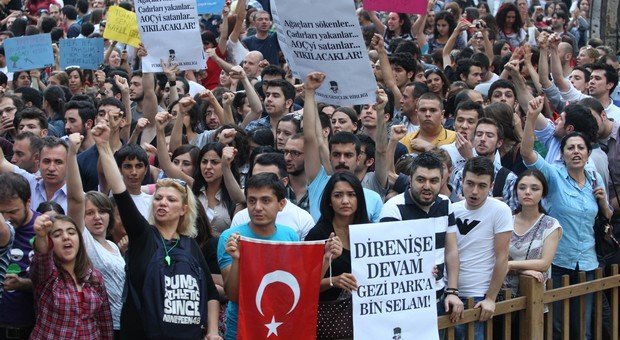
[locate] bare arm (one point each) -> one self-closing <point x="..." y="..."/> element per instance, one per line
<point x="381" y="140"/>
<point x="221" y="45"/>
<point x="108" y="52"/>
<point x="543" y="60"/>
<point x="5" y="165"/>
<point x="149" y="103"/>
<point x="231" y="273"/>
<point x="502" y="243"/>
<point x="541" y="265"/>
<point x="450" y="43"/>
<point x="386" y="70"/>
<point x="556" y="65"/>
<point x="397" y="133"/>
<point x="101" y="134"/>
<point x="75" y="195"/>
<point x="161" y="120"/>
<point x="527" y="143"/>
<point x="240" y="10"/>
<point x="312" y="160"/>
<point x="234" y="190"/>
<point x="378" y="24"/>
<point x="185" y="104"/>
<point x="122" y="84"/>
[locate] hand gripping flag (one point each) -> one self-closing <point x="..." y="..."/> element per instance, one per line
<point x="279" y="289"/>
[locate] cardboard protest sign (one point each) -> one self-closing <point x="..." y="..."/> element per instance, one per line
<point x="169" y="31"/>
<point x="29" y="52"/>
<point x="122" y="26"/>
<point x="324" y="35"/>
<point x="85" y="53"/>
<point x="399" y="6"/>
<point x="393" y="265"/>
<point x="210" y="6"/>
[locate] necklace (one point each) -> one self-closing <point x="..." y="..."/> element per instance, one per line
<point x="167" y="251"/>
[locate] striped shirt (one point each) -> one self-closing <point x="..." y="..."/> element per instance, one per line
<point x="402" y="208"/>
<point x="5" y="252"/>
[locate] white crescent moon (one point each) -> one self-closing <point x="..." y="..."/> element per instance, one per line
<point x="278" y="276"/>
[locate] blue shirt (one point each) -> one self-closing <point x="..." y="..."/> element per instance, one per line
<point x="224" y="260"/>
<point x="575" y="208"/>
<point x="374" y="203"/>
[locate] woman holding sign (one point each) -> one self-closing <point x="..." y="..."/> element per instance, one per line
<point x="342" y="205"/>
<point x="170" y="292"/>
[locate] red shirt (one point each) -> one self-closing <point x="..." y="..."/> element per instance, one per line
<point x="212" y="79"/>
<point x="60" y="314"/>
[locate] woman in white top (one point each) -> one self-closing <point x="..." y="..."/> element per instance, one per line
<point x="536" y="235"/>
<point x="94" y="211"/>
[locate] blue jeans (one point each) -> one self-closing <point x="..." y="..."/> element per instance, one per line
<point x="556" y="275"/>
<point x="479" y="327"/>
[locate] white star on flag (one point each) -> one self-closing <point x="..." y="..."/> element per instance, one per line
<point x="273" y="326"/>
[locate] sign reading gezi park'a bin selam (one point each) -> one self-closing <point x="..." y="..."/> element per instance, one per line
<point x="393" y="265"/>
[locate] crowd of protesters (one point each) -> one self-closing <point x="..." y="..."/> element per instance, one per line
<point x="495" y="121"/>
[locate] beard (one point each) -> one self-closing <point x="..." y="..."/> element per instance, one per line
<point x="297" y="172"/>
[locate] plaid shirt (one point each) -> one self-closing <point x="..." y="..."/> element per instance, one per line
<point x="60" y="315"/>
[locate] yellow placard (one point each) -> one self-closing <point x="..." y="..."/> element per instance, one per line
<point x="122" y="26"/>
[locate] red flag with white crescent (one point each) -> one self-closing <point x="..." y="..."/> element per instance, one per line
<point x="279" y="289"/>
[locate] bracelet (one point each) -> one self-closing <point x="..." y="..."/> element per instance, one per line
<point x="172" y="82"/>
<point x="452" y="292"/>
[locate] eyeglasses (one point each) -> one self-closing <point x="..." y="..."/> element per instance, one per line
<point x="293" y="153"/>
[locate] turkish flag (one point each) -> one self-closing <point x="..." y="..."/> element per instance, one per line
<point x="279" y="289"/>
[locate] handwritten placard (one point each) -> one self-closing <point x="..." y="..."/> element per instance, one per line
<point x="85" y="53"/>
<point x="29" y="52"/>
<point x="122" y="26"/>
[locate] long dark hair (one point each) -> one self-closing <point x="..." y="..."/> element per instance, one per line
<point x="327" y="211"/>
<point x="503" y="12"/>
<point x="405" y="28"/>
<point x="449" y="18"/>
<point x="82" y="265"/>
<point x="545" y="188"/>
<point x="199" y="180"/>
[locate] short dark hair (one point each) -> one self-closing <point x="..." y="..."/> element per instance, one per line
<point x="491" y="121"/>
<point x="581" y="118"/>
<point x="426" y="160"/>
<point x="51" y="142"/>
<point x="262" y="136"/>
<point x="273" y="70"/>
<point x="70" y="12"/>
<point x="270" y="158"/>
<point x="47" y="24"/>
<point x="266" y="180"/>
<point x="369" y="145"/>
<point x="36" y="144"/>
<point x="404" y="60"/>
<point x="463" y="67"/>
<point x="31" y="113"/>
<point x="51" y="206"/>
<point x="479" y="166"/>
<point x="85" y="109"/>
<point x="468" y="105"/>
<point x="130" y="152"/>
<point x="111" y="101"/>
<point x="31" y="95"/>
<point x="501" y="84"/>
<point x="14" y="186"/>
<point x="592" y="104"/>
<point x="432" y="96"/>
<point x="611" y="75"/>
<point x="345" y="137"/>
<point x="482" y="59"/>
<point x="576" y="134"/>
<point x="287" y="88"/>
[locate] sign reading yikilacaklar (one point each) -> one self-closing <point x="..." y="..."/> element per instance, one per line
<point x="393" y="265"/>
<point x="324" y="35"/>
<point x="170" y="31"/>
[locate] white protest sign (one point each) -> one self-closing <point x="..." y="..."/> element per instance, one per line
<point x="169" y="30"/>
<point x="325" y="36"/>
<point x="393" y="265"/>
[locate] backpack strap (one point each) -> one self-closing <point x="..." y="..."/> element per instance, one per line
<point x="500" y="181"/>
